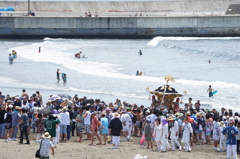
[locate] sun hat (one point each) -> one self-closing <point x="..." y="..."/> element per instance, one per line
<point x="17" y="108"/>
<point x="10" y="106"/>
<point x="64" y="109"/>
<point x="188" y="114"/>
<point x="116" y="115"/>
<point x="170" y="118"/>
<point x="46" y="135"/>
<point x="198" y="115"/>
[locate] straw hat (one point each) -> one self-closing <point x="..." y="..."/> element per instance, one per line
<point x="188" y="114"/>
<point x="46" y="135"/>
<point x="17" y="108"/>
<point x="116" y="115"/>
<point x="64" y="109"/>
<point x="170" y="118"/>
<point x="198" y="115"/>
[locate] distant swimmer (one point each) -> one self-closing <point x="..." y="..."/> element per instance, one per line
<point x="10" y="59"/>
<point x="58" y="76"/>
<point x="209" y="61"/>
<point x="140" y="52"/>
<point x="78" y="55"/>
<point x="210" y="90"/>
<point x="39" y="49"/>
<point x="64" y="78"/>
<point x="137" y="74"/>
<point x="14" y="53"/>
<point x="140" y="74"/>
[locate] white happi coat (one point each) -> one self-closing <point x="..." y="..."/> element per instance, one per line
<point x="165" y="134"/>
<point x="186" y="133"/>
<point x="173" y="130"/>
<point x="158" y="130"/>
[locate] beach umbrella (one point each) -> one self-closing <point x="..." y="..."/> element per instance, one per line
<point x="90" y="101"/>
<point x="44" y="111"/>
<point x="54" y="97"/>
<point x="65" y="96"/>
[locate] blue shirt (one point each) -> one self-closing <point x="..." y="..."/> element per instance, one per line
<point x="230" y="131"/>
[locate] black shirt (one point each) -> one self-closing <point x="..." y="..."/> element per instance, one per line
<point x="116" y="126"/>
<point x="2" y="113"/>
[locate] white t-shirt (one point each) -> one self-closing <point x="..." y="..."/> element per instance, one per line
<point x="65" y="118"/>
<point x="125" y="118"/>
<point x="87" y="118"/>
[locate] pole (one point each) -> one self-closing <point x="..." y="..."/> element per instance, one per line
<point x="28" y="7"/>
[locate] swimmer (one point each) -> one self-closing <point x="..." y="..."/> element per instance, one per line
<point x="137" y="74"/>
<point x="210" y="90"/>
<point x="64" y="78"/>
<point x="140" y="52"/>
<point x="14" y="53"/>
<point x="140" y="74"/>
<point x="78" y="55"/>
<point x="58" y="78"/>
<point x="209" y="61"/>
<point x="10" y="59"/>
<point x="39" y="49"/>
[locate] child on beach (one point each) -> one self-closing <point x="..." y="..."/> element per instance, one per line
<point x="148" y="134"/>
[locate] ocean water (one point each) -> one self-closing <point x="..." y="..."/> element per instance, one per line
<point x="109" y="70"/>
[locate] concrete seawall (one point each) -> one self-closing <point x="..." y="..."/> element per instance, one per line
<point x="125" y="27"/>
<point x="73" y="6"/>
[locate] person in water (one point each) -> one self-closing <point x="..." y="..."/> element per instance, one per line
<point x="64" y="78"/>
<point x="78" y="55"/>
<point x="39" y="49"/>
<point x="14" y="53"/>
<point x="137" y="74"/>
<point x="58" y="78"/>
<point x="209" y="61"/>
<point x="10" y="59"/>
<point x="210" y="90"/>
<point x="140" y="74"/>
<point x="140" y="52"/>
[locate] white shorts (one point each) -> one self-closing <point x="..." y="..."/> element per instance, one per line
<point x="116" y="140"/>
<point x="125" y="128"/>
<point x="216" y="137"/>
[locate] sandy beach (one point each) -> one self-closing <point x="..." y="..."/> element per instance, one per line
<point x="128" y="150"/>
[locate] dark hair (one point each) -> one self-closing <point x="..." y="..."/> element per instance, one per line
<point x="158" y="120"/>
<point x="236" y="114"/>
<point x="230" y="113"/>
<point x="39" y="115"/>
<point x="207" y="116"/>
<point x="24" y="110"/>
<point x="210" y="86"/>
<point x="37" y="92"/>
<point x="103" y="115"/>
<point x="216" y="118"/>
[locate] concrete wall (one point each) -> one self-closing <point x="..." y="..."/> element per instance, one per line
<point x="174" y="5"/>
<point x="110" y="27"/>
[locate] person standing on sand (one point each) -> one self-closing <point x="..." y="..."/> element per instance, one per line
<point x="115" y="127"/>
<point x="157" y="133"/>
<point x="25" y="122"/>
<point x="50" y="125"/>
<point x="187" y="127"/>
<point x="210" y="90"/>
<point x="174" y="133"/>
<point x="45" y="145"/>
<point x="231" y="132"/>
<point x="94" y="128"/>
<point x="80" y="125"/>
<point x="148" y="134"/>
<point x="16" y="116"/>
<point x="125" y="119"/>
<point x="87" y="122"/>
<point x="105" y="124"/>
<point x="58" y="75"/>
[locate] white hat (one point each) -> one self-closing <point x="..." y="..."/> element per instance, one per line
<point x="46" y="135"/>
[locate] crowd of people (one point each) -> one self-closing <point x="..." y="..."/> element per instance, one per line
<point x="89" y="14"/>
<point x="169" y="129"/>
